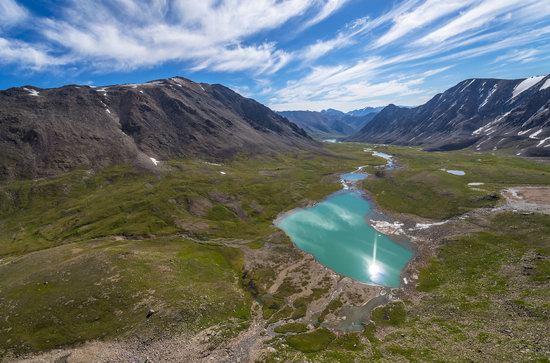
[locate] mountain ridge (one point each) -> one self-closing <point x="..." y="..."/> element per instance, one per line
<point x="45" y="132"/>
<point x="480" y="113"/>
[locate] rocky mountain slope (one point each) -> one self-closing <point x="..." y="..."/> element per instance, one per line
<point x="46" y="131"/>
<point x="329" y="123"/>
<point x="484" y="114"/>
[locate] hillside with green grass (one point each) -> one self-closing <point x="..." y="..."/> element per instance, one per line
<point x="121" y="253"/>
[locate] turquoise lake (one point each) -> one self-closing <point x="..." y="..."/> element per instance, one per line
<point x="336" y="232"/>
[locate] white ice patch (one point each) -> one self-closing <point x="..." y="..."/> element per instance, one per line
<point x="200" y="85"/>
<point x="223" y="172"/>
<point x="525" y="85"/>
<point x="140" y="91"/>
<point x="491" y="124"/>
<point x="523" y="132"/>
<point x="405" y="281"/>
<point x="493" y="90"/>
<point x="421" y="226"/>
<point x="475" y="184"/>
<point x="545" y="85"/>
<point x="102" y="90"/>
<point x="535" y="134"/>
<point x="454" y="172"/>
<point x="32" y="92"/>
<point x="154" y="161"/>
<point x="213" y="164"/>
<point x="467" y="85"/>
<point x="108" y="111"/>
<point x="542" y="142"/>
<point x="387" y="227"/>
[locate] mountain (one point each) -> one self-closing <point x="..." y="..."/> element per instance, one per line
<point x="327" y="123"/>
<point x="47" y="131"/>
<point x="484" y="114"/>
<point x="365" y="111"/>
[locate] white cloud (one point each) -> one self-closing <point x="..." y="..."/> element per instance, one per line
<point x="23" y="53"/>
<point x="519" y="55"/>
<point x="11" y="13"/>
<point x="349" y="87"/>
<point x="213" y="34"/>
<point x="320" y="48"/>
<point x="328" y="8"/>
<point x="475" y="17"/>
<point x="424" y="14"/>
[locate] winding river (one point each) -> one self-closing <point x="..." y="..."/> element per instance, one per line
<point x="337" y="233"/>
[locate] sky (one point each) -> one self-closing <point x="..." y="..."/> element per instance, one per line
<point x="287" y="54"/>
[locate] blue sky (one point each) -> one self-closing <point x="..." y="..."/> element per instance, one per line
<point x="288" y="54"/>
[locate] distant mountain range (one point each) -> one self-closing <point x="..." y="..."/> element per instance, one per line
<point x="331" y="123"/>
<point x="365" y="111"/>
<point x="46" y="131"/>
<point x="483" y="114"/>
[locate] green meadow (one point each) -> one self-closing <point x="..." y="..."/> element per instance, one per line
<point x="90" y="254"/>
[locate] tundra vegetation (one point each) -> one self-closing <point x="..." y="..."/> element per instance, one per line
<point x="119" y="252"/>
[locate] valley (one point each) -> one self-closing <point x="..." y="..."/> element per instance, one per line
<point x="184" y="263"/>
<point x="274" y="181"/>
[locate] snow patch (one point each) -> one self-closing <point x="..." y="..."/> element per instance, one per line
<point x="388" y="227"/>
<point x="542" y="142"/>
<point x="476" y="184"/>
<point x="102" y="90"/>
<point x="467" y="85"/>
<point x="32" y="92"/>
<point x="535" y="134"/>
<point x="454" y="172"/>
<point x="545" y="85"/>
<point x="421" y="226"/>
<point x="223" y="172"/>
<point x="493" y="90"/>
<point x="525" y="85"/>
<point x="108" y="111"/>
<point x="154" y="161"/>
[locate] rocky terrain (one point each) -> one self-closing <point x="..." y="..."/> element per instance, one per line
<point x="331" y="123"/>
<point x="482" y="114"/>
<point x="47" y="131"/>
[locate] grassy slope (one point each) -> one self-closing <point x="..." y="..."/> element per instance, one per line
<point x="70" y="280"/>
<point x="484" y="298"/>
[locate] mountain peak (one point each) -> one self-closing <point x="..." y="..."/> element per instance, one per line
<point x="485" y="114"/>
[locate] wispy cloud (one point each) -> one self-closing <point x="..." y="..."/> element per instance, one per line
<point x="426" y="13"/>
<point x="213" y="34"/>
<point x="423" y="35"/>
<point x="11" y="13"/>
<point x="327" y="9"/>
<point x="399" y="51"/>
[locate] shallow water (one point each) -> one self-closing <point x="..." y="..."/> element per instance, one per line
<point x="353" y="177"/>
<point x="337" y="234"/>
<point x="388" y="157"/>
